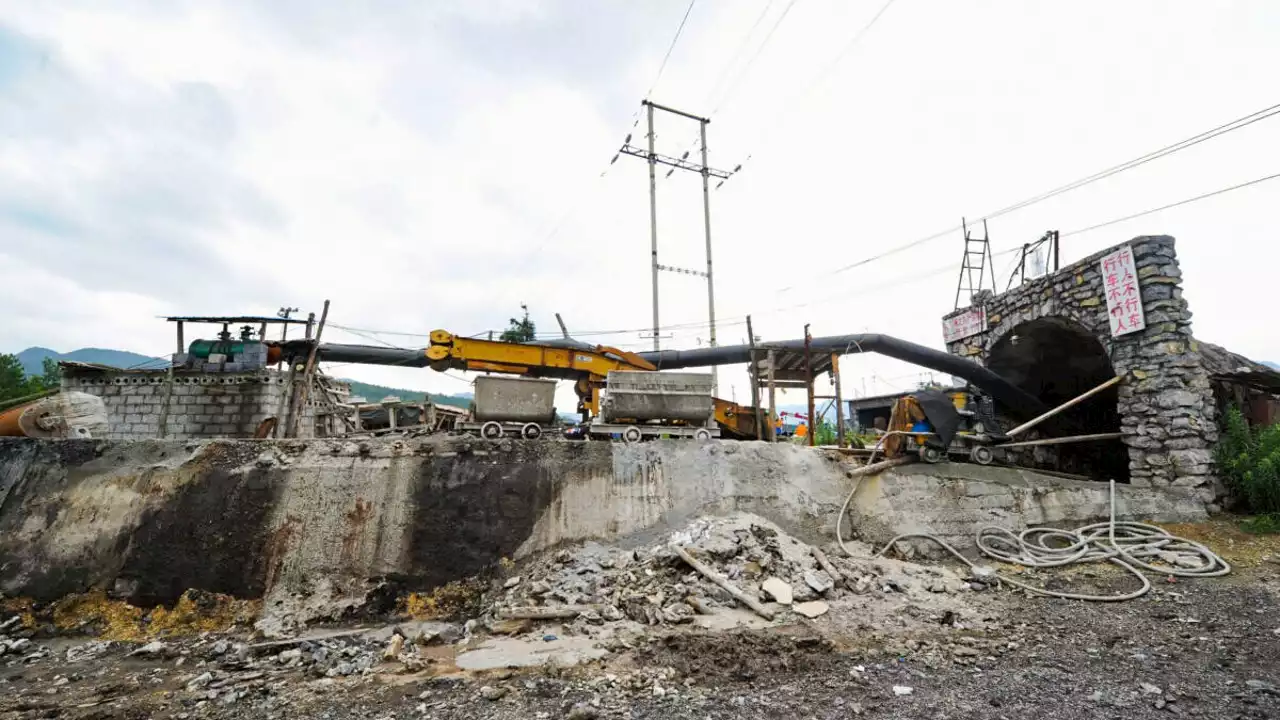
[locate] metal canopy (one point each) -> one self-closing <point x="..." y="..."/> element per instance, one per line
<point x="237" y="319"/>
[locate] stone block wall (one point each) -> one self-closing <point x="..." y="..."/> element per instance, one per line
<point x="1165" y="404"/>
<point x="200" y="405"/>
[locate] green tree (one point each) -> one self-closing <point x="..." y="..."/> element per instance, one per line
<point x="14" y="383"/>
<point x="1249" y="461"/>
<point x="521" y="330"/>
<point x="51" y="377"/>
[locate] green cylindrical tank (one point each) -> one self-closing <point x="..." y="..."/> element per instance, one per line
<point x="204" y="348"/>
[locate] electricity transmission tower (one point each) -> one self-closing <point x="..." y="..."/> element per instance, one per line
<point x="654" y="159"/>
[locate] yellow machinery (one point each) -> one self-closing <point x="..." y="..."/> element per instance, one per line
<point x="588" y="366"/>
<point x="936" y="425"/>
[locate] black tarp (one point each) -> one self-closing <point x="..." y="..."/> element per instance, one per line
<point x="941" y="413"/>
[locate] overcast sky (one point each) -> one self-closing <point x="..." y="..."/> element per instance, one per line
<point x="434" y="164"/>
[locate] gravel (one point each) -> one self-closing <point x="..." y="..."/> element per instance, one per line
<point x="1202" y="649"/>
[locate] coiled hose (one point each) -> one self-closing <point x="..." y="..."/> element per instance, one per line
<point x="1127" y="544"/>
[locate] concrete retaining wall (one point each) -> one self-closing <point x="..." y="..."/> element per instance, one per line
<point x="149" y="519"/>
<point x="954" y="500"/>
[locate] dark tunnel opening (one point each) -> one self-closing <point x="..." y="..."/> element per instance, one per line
<point x="1057" y="360"/>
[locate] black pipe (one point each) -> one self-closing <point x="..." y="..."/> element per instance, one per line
<point x="360" y="354"/>
<point x="1017" y="400"/>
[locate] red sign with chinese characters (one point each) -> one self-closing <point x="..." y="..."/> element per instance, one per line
<point x="1123" y="293"/>
<point x="970" y="322"/>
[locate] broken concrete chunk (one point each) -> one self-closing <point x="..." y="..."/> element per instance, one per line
<point x="151" y="648"/>
<point x="819" y="580"/>
<point x="511" y="582"/>
<point x="811" y="610"/>
<point x="199" y="681"/>
<point x="394" y="647"/>
<point x="777" y="589"/>
<point x="510" y="626"/>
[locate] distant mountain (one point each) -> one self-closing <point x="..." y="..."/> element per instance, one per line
<point x="374" y="393"/>
<point x="33" y="358"/>
<point x="1273" y="366"/>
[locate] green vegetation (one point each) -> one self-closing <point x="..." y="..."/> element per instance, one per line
<point x="1268" y="524"/>
<point x="14" y="382"/>
<point x="1249" y="461"/>
<point x="522" y="330"/>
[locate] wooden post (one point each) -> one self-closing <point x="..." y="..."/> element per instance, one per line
<point x="282" y="420"/>
<point x="300" y="393"/>
<point x="1073" y="401"/>
<point x="835" y="376"/>
<point x="773" y="399"/>
<point x="162" y="426"/>
<point x="755" y="381"/>
<point x="808" y="380"/>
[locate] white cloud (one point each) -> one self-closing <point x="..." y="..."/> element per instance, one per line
<point x="409" y="161"/>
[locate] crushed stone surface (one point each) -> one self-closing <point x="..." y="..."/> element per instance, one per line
<point x="900" y="640"/>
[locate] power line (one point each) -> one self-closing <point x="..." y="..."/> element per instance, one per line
<point x="1172" y="205"/>
<point x="1136" y="162"/>
<point x="672" y="47"/>
<point x="1088" y="179"/>
<point x="819" y="77"/>
<point x="755" y="56"/>
<point x="580" y="198"/>
<point x="733" y="60"/>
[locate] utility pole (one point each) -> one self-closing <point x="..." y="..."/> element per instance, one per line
<point x="808" y="379"/>
<point x="654" y="158"/>
<point x="653" y="221"/>
<point x="706" y="224"/>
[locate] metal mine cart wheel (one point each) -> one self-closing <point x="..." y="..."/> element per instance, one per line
<point x="531" y="431"/>
<point x="981" y="455"/>
<point x="632" y="434"/>
<point x="491" y="430"/>
<point x="930" y="454"/>
<point x="702" y="434"/>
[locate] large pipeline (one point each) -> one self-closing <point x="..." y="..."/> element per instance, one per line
<point x="1014" y="399"/>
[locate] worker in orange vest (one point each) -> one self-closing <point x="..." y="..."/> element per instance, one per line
<point x="802" y="430"/>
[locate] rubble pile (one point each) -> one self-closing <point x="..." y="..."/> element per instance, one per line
<point x="592" y="585"/>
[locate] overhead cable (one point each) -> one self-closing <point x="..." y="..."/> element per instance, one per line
<point x="670" y="48"/>
<point x="755" y="56"/>
<point x="819" y="77"/>
<point x="1088" y="179"/>
<point x="1187" y="201"/>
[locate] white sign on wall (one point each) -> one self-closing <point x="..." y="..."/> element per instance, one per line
<point x="967" y="323"/>
<point x="1123" y="292"/>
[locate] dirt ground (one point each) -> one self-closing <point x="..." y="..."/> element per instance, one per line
<point x="1205" y="649"/>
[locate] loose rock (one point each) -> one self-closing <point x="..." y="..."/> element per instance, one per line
<point x="811" y="609"/>
<point x="777" y="589"/>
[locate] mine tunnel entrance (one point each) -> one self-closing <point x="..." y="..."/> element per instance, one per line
<point x="1056" y="360"/>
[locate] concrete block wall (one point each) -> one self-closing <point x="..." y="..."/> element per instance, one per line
<point x="199" y="405"/>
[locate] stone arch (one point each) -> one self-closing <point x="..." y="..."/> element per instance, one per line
<point x="1057" y="358"/>
<point x="1087" y="320"/>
